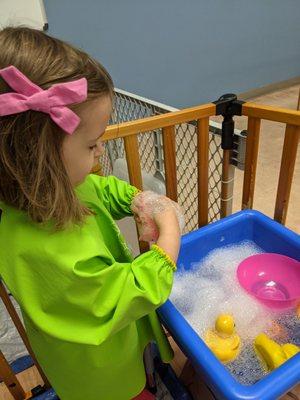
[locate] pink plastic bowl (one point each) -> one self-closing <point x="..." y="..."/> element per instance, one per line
<point x="272" y="278"/>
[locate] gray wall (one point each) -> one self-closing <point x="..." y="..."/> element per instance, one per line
<point x="181" y="52"/>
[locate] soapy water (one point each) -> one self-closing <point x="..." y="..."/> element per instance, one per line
<point x="210" y="288"/>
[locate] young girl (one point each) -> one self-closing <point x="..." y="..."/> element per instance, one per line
<point x="88" y="306"/>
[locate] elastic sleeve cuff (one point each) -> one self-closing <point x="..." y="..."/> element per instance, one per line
<point x="158" y="250"/>
<point x="131" y="193"/>
<point x="135" y="192"/>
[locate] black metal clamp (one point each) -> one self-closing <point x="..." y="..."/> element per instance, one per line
<point x="228" y="105"/>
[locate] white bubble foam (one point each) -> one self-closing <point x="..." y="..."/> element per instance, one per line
<point x="211" y="287"/>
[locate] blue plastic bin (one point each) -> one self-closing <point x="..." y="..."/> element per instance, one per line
<point x="271" y="237"/>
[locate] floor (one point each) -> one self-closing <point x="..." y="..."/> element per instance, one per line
<point x="272" y="136"/>
<point x="267" y="177"/>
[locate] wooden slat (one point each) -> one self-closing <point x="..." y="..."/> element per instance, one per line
<point x="19" y="326"/>
<point x="10" y="380"/>
<point x="250" y="162"/>
<point x="133" y="161"/>
<point x="134" y="171"/>
<point x="29" y="378"/>
<point x="271" y="113"/>
<point x="169" y="148"/>
<point x="158" y="121"/>
<point x="202" y="155"/>
<point x="288" y="159"/>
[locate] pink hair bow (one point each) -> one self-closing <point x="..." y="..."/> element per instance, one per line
<point x="53" y="101"/>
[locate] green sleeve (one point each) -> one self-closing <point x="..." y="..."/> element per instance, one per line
<point x="96" y="298"/>
<point x="115" y="194"/>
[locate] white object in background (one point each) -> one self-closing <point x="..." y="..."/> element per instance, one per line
<point x="30" y="13"/>
<point x="11" y="343"/>
<point x="149" y="181"/>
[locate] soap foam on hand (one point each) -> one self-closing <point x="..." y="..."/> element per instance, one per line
<point x="216" y="290"/>
<point x="145" y="205"/>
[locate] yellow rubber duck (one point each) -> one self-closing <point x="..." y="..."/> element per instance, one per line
<point x="223" y="341"/>
<point x="272" y="353"/>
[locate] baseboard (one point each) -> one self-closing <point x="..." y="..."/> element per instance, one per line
<point x="269" y="88"/>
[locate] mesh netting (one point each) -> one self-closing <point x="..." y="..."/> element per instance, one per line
<point x="129" y="108"/>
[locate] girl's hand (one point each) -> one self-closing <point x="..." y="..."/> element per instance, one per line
<point x="169" y="232"/>
<point x="159" y="220"/>
<point x="167" y="221"/>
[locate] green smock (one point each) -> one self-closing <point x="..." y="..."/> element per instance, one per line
<point x="88" y="306"/>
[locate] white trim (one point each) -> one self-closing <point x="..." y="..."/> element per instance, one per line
<point x="29" y="13"/>
<point x="43" y="11"/>
<point x="153" y="103"/>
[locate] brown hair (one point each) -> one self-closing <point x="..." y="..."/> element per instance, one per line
<point x="32" y="173"/>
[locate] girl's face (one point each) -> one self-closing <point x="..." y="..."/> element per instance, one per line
<point x="81" y="151"/>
